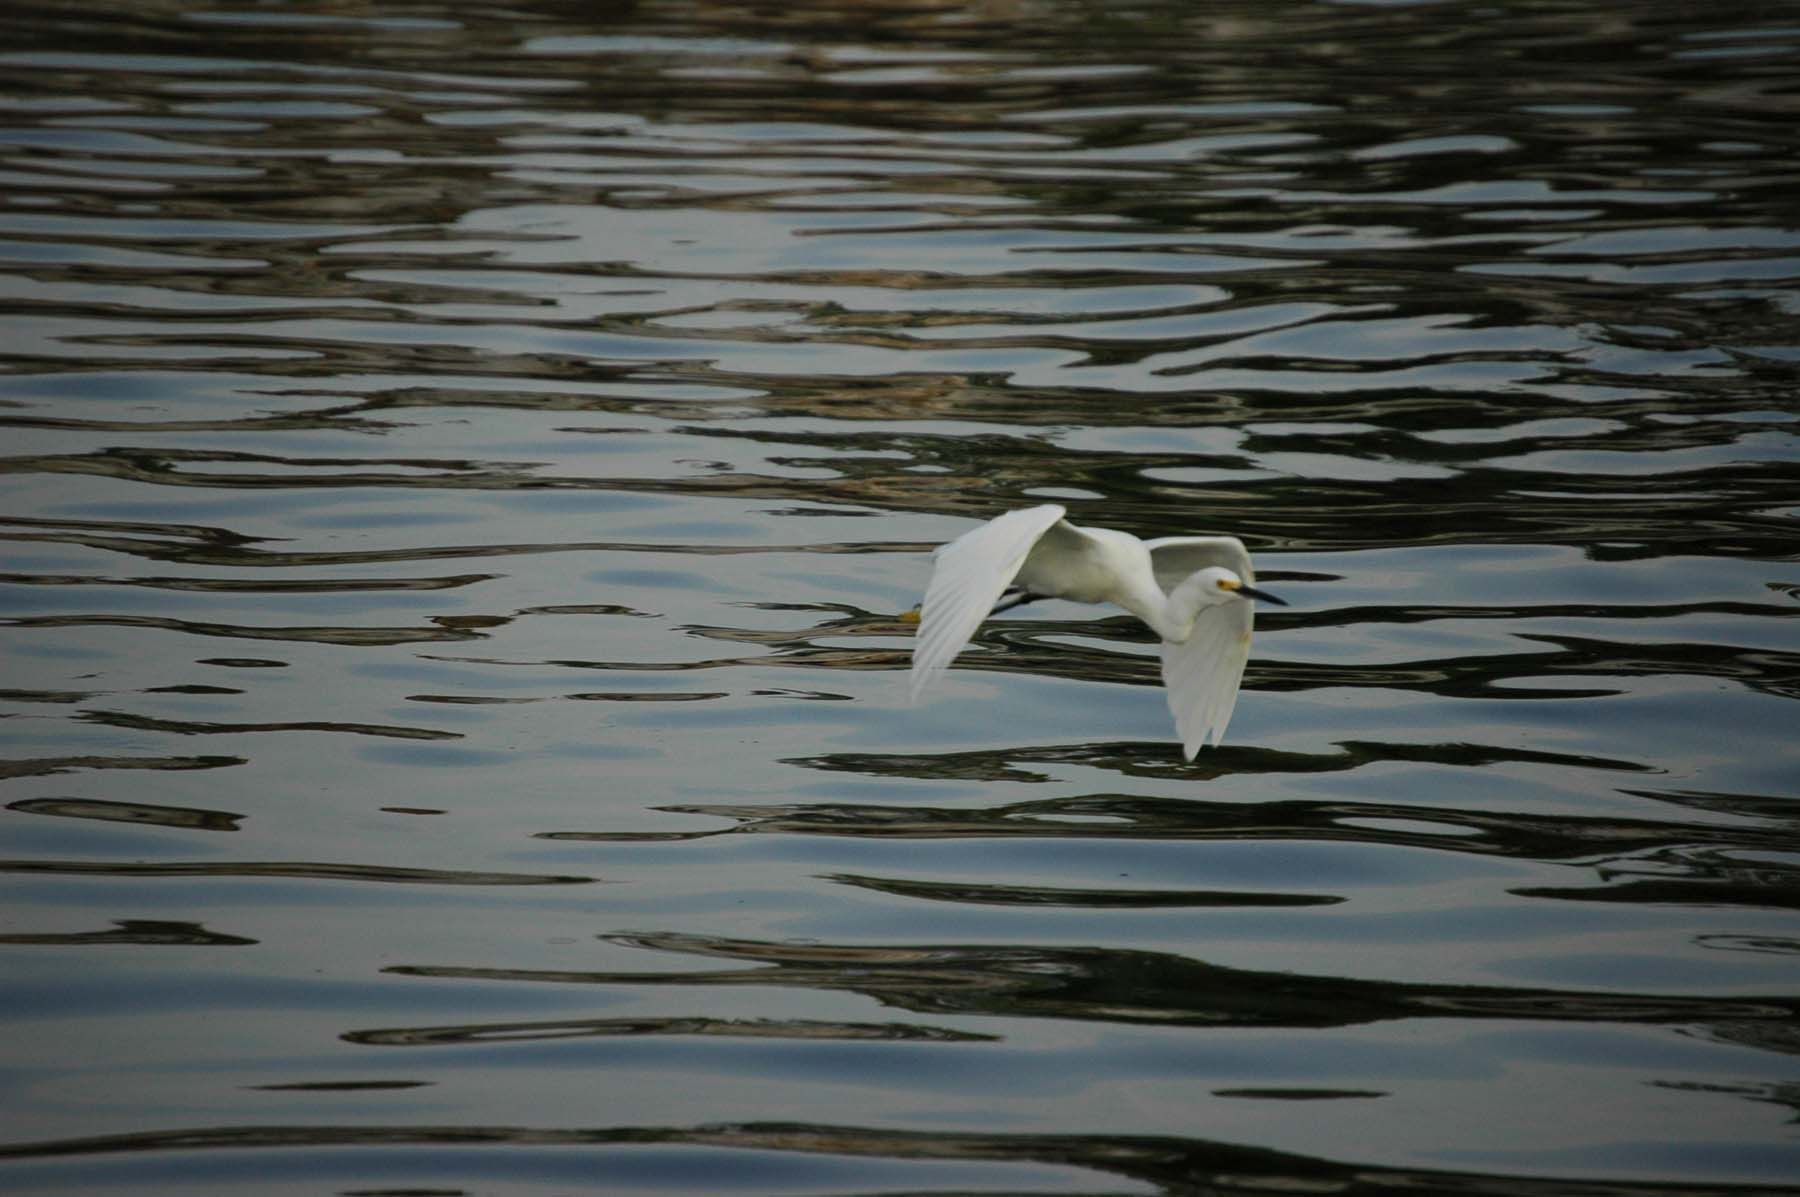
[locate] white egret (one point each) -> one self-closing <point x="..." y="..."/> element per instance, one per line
<point x="1193" y="591"/>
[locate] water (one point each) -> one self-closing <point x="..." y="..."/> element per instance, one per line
<point x="465" y="466"/>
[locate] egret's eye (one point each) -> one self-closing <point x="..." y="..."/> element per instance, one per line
<point x="1227" y="584"/>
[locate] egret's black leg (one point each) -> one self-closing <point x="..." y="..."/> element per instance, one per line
<point x="1014" y="598"/>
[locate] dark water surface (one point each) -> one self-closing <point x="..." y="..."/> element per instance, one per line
<point x="464" y="466"/>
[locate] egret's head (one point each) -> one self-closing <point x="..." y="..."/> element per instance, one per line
<point x="1220" y="585"/>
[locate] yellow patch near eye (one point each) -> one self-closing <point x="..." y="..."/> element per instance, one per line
<point x="1228" y="584"/>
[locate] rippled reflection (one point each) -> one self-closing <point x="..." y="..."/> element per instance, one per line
<point x="726" y="1148"/>
<point x="1108" y="985"/>
<point x="487" y="452"/>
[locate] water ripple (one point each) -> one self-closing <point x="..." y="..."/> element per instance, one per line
<point x="509" y="441"/>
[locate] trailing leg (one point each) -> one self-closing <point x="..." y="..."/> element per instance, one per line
<point x="1014" y="598"/>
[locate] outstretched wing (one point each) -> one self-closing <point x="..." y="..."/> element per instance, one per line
<point x="1201" y="674"/>
<point x="967" y="578"/>
<point x="1175" y="557"/>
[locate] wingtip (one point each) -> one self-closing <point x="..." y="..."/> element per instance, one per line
<point x="917" y="683"/>
<point x="1191" y="745"/>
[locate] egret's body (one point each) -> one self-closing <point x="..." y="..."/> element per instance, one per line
<point x="1194" y="592"/>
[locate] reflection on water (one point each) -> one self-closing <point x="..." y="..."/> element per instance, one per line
<point x="486" y="452"/>
<point x="1089" y="983"/>
<point x="785" y="1156"/>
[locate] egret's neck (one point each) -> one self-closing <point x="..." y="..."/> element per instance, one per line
<point x="1172" y="615"/>
<point x="1169" y="617"/>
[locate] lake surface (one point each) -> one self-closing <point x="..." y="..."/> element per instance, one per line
<point x="465" y="468"/>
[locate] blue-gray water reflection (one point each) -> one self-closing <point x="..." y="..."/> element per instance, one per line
<point x="465" y="470"/>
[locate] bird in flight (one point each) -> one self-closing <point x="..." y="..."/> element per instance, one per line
<point x="1194" y="592"/>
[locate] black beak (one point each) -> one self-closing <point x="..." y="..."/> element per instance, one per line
<point x="1265" y="596"/>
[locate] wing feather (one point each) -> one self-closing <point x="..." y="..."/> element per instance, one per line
<point x="1175" y="557"/>
<point x="968" y="577"/>
<point x="1201" y="674"/>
